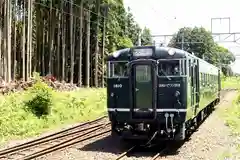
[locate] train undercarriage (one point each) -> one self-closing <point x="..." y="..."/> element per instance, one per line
<point x="154" y="131"/>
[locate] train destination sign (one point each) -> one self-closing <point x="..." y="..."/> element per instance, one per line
<point x="142" y="52"/>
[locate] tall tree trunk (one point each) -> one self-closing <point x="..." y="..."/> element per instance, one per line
<point x="1" y="57"/>
<point x="103" y="43"/>
<point x="50" y="40"/>
<point x="23" y="43"/>
<point x="9" y="46"/>
<point x="43" y="49"/>
<point x="96" y="44"/>
<point x="88" y="49"/>
<point x="38" y="39"/>
<point x="63" y="42"/>
<point x="71" y="42"/>
<point x="5" y="41"/>
<point x="80" y="45"/>
<point x="15" y="41"/>
<point x="58" y="44"/>
<point x="28" y="38"/>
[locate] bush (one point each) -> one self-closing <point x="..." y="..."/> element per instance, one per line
<point x="41" y="98"/>
<point x="238" y="99"/>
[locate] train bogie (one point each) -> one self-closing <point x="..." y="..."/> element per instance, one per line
<point x="158" y="92"/>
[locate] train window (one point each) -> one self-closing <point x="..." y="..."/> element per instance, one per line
<point x="143" y="73"/>
<point x="201" y="78"/>
<point x="170" y="68"/>
<point x="117" y="69"/>
<point x="183" y="67"/>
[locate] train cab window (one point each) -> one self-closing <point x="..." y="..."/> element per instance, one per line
<point x="117" y="69"/>
<point x="170" y="68"/>
<point x="143" y="73"/>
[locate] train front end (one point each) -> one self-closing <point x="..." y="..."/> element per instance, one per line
<point x="146" y="93"/>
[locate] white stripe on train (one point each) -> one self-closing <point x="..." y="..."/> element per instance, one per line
<point x="158" y="110"/>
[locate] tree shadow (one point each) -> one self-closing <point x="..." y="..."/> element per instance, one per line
<point x="107" y="144"/>
<point x="115" y="145"/>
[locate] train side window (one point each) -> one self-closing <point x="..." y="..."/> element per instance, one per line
<point x="189" y="66"/>
<point x="169" y="68"/>
<point x="183" y="67"/>
<point x="117" y="69"/>
<point x="205" y="78"/>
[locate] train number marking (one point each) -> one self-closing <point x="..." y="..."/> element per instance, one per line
<point x="117" y="85"/>
<point x="169" y="85"/>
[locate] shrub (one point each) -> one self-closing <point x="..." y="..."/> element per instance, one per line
<point x="41" y="98"/>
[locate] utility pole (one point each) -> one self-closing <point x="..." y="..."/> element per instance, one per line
<point x="182" y="40"/>
<point x="223" y="37"/>
<point x="139" y="38"/>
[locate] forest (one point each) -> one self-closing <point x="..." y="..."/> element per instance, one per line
<point x="67" y="39"/>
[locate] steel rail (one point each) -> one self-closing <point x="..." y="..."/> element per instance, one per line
<point x="64" y="144"/>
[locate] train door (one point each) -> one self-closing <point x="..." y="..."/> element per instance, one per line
<point x="197" y="84"/>
<point x="194" y="74"/>
<point x="143" y="80"/>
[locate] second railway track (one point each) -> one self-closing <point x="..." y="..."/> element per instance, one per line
<point x="56" y="141"/>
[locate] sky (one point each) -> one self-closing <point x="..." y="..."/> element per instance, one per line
<point x="166" y="17"/>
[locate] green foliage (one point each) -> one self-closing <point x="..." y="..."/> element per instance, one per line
<point x="232" y="115"/>
<point x="205" y="42"/>
<point x="41" y="100"/>
<point x="66" y="108"/>
<point x="230" y="82"/>
<point x="201" y="43"/>
<point x="146" y="38"/>
<point x="124" y="42"/>
<point x="122" y="30"/>
<point x="41" y="97"/>
<point x="238" y="99"/>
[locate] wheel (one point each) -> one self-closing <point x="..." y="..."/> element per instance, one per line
<point x="182" y="133"/>
<point x="113" y="129"/>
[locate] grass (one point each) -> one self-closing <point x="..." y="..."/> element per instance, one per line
<point x="17" y="121"/>
<point x="231" y="116"/>
<point x="230" y="83"/>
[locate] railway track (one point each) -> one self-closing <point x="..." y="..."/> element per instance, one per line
<point x="160" y="153"/>
<point x="124" y="154"/>
<point x="162" y="149"/>
<point x="56" y="141"/>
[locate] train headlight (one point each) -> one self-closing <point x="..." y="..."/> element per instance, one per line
<point x="171" y="51"/>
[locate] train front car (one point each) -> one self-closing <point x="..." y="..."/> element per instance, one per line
<point x="146" y="89"/>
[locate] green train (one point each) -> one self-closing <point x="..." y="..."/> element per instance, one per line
<point x="159" y="92"/>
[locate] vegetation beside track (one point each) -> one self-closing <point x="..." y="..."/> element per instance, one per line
<point x="40" y="108"/>
<point x="231" y="116"/>
<point x="230" y="82"/>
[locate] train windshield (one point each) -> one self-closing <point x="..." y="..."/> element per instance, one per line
<point x="171" y="68"/>
<point x="117" y="69"/>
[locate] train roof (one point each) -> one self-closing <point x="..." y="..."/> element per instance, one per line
<point x="160" y="53"/>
